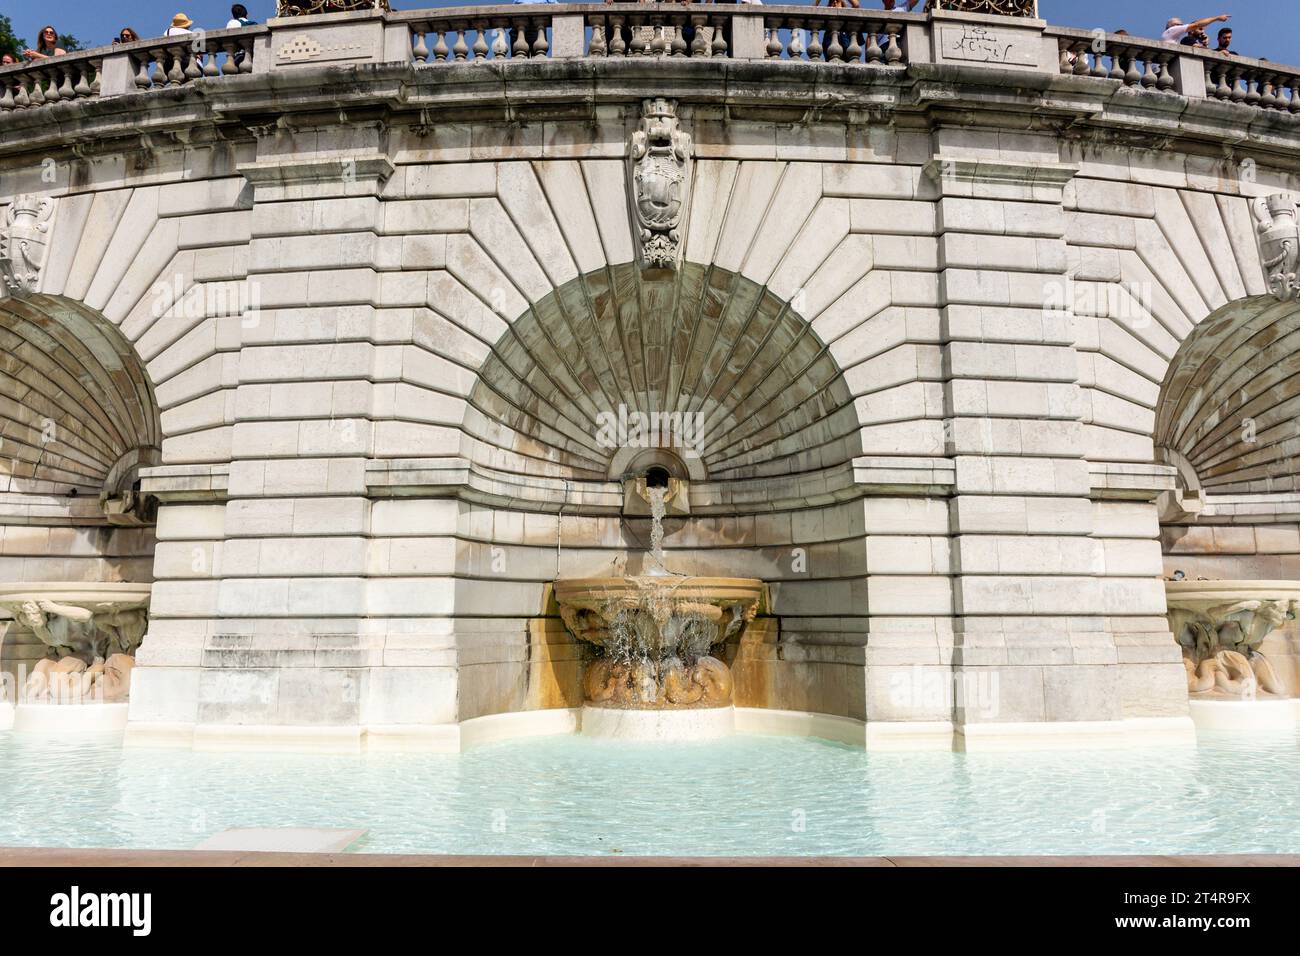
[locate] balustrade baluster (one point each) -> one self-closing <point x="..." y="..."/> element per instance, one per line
<point x="520" y="46"/>
<point x="834" y="52"/>
<point x="1080" y="52"/>
<point x="66" y="92"/>
<point x="893" y="52"/>
<point x="22" y="99"/>
<point x="874" y="53"/>
<point x="1237" y="94"/>
<point x="192" y="69"/>
<point x="853" y="51"/>
<point x="230" y="67"/>
<point x="480" y="42"/>
<point x="7" y="99"/>
<point x="1222" y="91"/>
<point x="699" y="46"/>
<point x="773" y="43"/>
<point x="598" y="47"/>
<point x="440" y="46"/>
<point x="1149" y="77"/>
<point x="500" y="47"/>
<point x="1099" y="69"/>
<point x="617" y="45"/>
<point x="677" y="47"/>
<point x="1268" y="94"/>
<point x="419" y="49"/>
<point x="246" y="47"/>
<point x="639" y="47"/>
<point x="815" y="51"/>
<point x="1252" y="90"/>
<point x="1116" y="71"/>
<point x="52" y="74"/>
<point x="460" y="50"/>
<point x="719" y="46"/>
<point x="797" y="47"/>
<point x="540" y="46"/>
<point x="1165" y="83"/>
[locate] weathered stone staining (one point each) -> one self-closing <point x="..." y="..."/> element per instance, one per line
<point x="965" y="352"/>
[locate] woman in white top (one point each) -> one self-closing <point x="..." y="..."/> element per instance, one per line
<point x="180" y="24"/>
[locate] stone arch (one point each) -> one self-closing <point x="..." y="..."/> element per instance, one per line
<point x="1227" y="410"/>
<point x="78" y="413"/>
<point x="714" y="354"/>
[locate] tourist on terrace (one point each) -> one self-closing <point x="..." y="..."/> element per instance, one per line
<point x="7" y="59"/>
<point x="47" y="45"/>
<point x="1175" y="29"/>
<point x="1196" y="38"/>
<point x="239" y="17"/>
<point x="1225" y="42"/>
<point x="892" y="4"/>
<point x="180" y="25"/>
<point x="127" y="35"/>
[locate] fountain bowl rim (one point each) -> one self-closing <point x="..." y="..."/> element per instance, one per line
<point x="77" y="592"/>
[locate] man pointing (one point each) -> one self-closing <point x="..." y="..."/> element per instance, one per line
<point x="1175" y="29"/>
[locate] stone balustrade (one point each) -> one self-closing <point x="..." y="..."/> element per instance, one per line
<point x="1186" y="71"/>
<point x="601" y="31"/>
<point x="129" y="67"/>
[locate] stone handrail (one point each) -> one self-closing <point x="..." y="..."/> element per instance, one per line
<point x="127" y="67"/>
<point x="1171" y="68"/>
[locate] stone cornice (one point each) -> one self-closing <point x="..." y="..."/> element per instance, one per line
<point x="920" y="94"/>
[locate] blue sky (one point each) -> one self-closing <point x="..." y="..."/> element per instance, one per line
<point x="1260" y="30"/>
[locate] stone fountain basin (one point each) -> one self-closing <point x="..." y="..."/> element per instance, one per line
<point x="1203" y="595"/>
<point x="720" y="591"/>
<point x="602" y="595"/>
<point x="93" y="595"/>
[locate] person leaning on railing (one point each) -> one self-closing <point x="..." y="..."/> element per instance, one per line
<point x="47" y="45"/>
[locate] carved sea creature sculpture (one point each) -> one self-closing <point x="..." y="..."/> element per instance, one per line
<point x="1234" y="675"/>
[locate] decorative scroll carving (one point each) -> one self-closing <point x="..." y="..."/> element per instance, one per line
<point x="1279" y="244"/>
<point x="1005" y="8"/>
<point x="23" y="242"/>
<point x="660" y="154"/>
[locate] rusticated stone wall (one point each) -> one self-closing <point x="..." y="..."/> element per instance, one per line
<point x="935" y="330"/>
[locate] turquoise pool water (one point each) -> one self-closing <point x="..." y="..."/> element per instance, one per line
<point x="745" y="796"/>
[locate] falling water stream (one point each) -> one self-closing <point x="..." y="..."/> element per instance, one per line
<point x="657" y="511"/>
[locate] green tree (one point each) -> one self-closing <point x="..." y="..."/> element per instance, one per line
<point x="9" y="43"/>
<point x="68" y="43"/>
